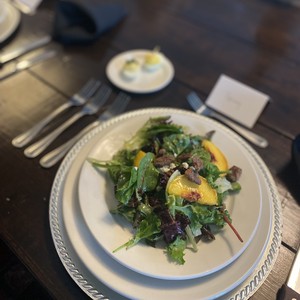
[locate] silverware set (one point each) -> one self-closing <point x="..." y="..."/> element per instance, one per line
<point x="90" y="108"/>
<point x="92" y="96"/>
<point x="29" y="62"/>
<point x="114" y="109"/>
<point x="12" y="55"/>
<point x="19" y="51"/>
<point x="77" y="99"/>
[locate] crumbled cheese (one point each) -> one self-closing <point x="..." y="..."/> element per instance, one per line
<point x="185" y="165"/>
<point x="165" y="169"/>
<point x="172" y="166"/>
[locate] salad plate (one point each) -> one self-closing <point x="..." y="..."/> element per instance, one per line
<point x="96" y="198"/>
<point x="102" y="277"/>
<point x="145" y="81"/>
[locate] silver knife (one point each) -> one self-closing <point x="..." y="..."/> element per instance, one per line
<point x="39" y="42"/>
<point x="291" y="289"/>
<point x="25" y="64"/>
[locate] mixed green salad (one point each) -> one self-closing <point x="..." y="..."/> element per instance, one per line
<point x="171" y="185"/>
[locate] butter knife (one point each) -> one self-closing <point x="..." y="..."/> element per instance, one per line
<point x="197" y="104"/>
<point x="39" y="42"/>
<point x="291" y="289"/>
<point x="25" y="64"/>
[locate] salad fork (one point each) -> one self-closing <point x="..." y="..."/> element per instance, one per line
<point x="89" y="109"/>
<point x="197" y="104"/>
<point x="118" y="106"/>
<point x="77" y="99"/>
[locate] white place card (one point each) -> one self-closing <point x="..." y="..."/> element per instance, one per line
<point x="236" y="100"/>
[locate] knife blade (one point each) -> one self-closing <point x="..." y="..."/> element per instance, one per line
<point x="25" y="64"/>
<point x="39" y="42"/>
<point x="291" y="289"/>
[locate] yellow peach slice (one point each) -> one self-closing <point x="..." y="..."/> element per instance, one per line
<point x="138" y="158"/>
<point x="217" y="156"/>
<point x="202" y="193"/>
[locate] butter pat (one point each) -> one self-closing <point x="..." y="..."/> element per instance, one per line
<point x="236" y="100"/>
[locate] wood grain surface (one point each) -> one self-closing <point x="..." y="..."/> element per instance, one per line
<point x="254" y="41"/>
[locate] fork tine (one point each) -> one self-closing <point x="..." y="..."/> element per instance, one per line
<point x="194" y="100"/>
<point x="197" y="104"/>
<point x="120" y="103"/>
<point x="116" y="107"/>
<point x="89" y="88"/>
<point x="86" y="86"/>
<point x="100" y="97"/>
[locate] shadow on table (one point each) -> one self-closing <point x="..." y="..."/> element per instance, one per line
<point x="290" y="177"/>
<point x="290" y="174"/>
<point x="16" y="282"/>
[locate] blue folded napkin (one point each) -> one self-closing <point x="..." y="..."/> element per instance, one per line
<point x="83" y="21"/>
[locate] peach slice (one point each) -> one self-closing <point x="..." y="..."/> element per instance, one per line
<point x="202" y="193"/>
<point x="138" y="158"/>
<point x="217" y="156"/>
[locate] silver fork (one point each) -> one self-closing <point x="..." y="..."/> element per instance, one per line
<point x="118" y="106"/>
<point x="197" y="104"/>
<point x="90" y="108"/>
<point x="77" y="99"/>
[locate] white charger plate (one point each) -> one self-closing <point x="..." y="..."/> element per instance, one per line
<point x="96" y="198"/>
<point x="10" y="19"/>
<point x="145" y="81"/>
<point x="99" y="276"/>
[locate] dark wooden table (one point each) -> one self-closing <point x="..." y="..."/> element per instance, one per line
<point x="254" y="41"/>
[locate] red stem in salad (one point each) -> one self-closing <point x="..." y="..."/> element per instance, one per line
<point x="226" y="219"/>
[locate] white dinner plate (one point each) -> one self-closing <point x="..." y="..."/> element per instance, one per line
<point x="10" y="19"/>
<point x="145" y="81"/>
<point x="102" y="277"/>
<point x="96" y="197"/>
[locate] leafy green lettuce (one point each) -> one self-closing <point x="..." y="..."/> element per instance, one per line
<point x="134" y="186"/>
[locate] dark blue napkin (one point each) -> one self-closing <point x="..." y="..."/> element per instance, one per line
<point x="83" y="21"/>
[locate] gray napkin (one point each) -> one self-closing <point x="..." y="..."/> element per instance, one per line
<point x="83" y="21"/>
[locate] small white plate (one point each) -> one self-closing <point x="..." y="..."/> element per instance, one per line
<point x="145" y="81"/>
<point x="96" y="198"/>
<point x="10" y="19"/>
